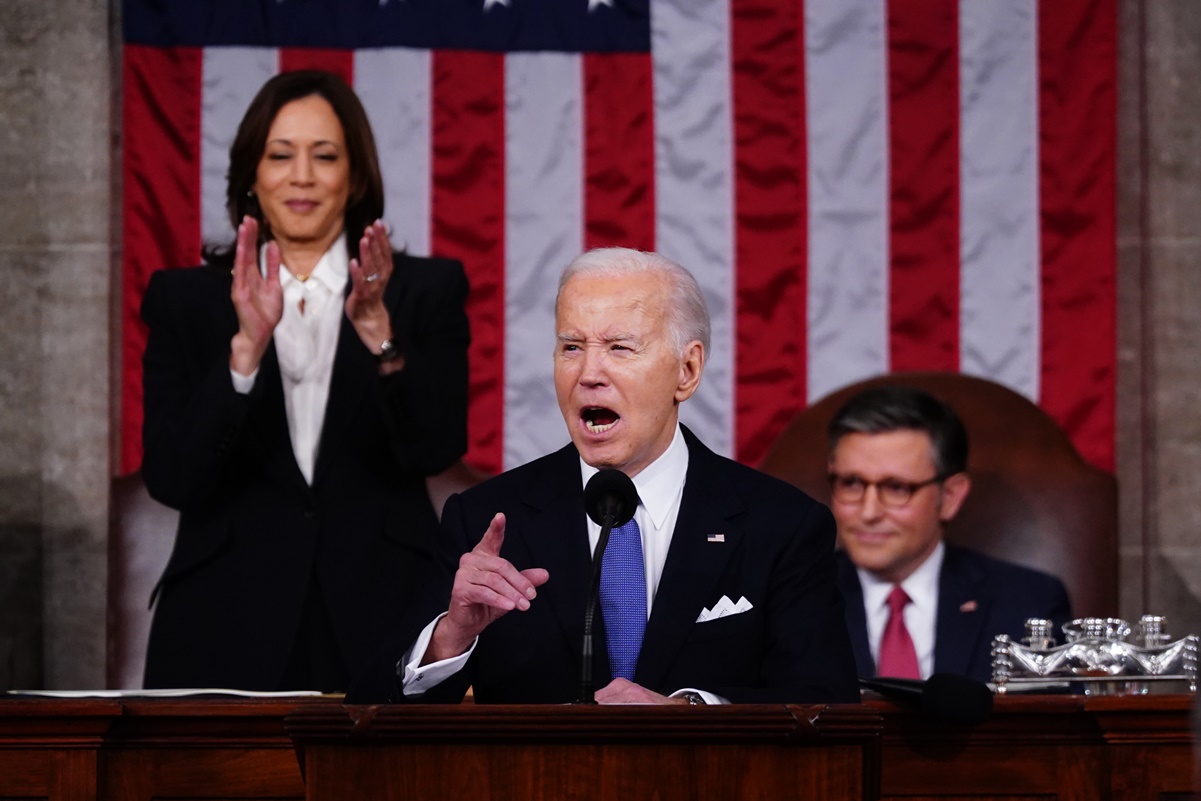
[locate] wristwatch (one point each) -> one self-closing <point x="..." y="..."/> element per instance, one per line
<point x="693" y="699"/>
<point x="387" y="352"/>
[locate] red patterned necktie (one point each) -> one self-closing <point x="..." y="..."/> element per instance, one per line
<point x="898" y="657"/>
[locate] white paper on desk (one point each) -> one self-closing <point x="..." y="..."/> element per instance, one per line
<point x="182" y="692"/>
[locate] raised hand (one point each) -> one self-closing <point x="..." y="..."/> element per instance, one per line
<point x="258" y="299"/>
<point x="369" y="276"/>
<point x="485" y="588"/>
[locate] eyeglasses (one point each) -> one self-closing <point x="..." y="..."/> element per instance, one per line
<point x="892" y="492"/>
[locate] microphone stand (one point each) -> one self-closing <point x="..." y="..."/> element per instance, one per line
<point x="587" y="693"/>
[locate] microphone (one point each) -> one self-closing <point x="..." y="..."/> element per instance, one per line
<point x="610" y="499"/>
<point x="944" y="697"/>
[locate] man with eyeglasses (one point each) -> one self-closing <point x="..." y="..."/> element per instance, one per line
<point x="916" y="605"/>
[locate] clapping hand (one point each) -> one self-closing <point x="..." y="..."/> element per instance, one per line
<point x="258" y="299"/>
<point x="369" y="275"/>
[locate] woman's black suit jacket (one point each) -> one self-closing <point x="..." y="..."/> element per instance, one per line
<point x="251" y="531"/>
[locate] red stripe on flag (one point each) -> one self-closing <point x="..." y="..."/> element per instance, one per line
<point x="923" y="91"/>
<point x="619" y="151"/>
<point x="339" y="62"/>
<point x="468" y="223"/>
<point x="770" y="200"/>
<point x="1077" y="185"/>
<point x="161" y="204"/>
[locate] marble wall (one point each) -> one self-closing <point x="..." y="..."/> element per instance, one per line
<point x="1159" y="253"/>
<point x="58" y="284"/>
<point x="56" y="254"/>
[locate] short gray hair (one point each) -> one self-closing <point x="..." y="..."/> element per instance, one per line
<point x="687" y="315"/>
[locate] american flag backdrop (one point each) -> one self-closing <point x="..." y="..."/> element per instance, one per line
<point x="861" y="186"/>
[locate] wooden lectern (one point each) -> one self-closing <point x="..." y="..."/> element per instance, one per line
<point x="600" y="753"/>
<point x="1054" y="748"/>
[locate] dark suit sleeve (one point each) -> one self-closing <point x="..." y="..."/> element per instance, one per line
<point x="427" y="400"/>
<point x="192" y="414"/>
<point x="381" y="682"/>
<point x="807" y="652"/>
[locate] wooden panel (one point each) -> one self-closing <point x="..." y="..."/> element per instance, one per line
<point x="509" y="753"/>
<point x="1052" y="747"/>
<point x="48" y="747"/>
<point x="535" y="773"/>
<point x="202" y="749"/>
<point x="143" y="749"/>
<point x="43" y="773"/>
<point x="1069" y="748"/>
<point x="1003" y="771"/>
<point x="176" y="773"/>
<point x="1161" y="773"/>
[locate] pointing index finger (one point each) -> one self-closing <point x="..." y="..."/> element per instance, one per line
<point x="494" y="537"/>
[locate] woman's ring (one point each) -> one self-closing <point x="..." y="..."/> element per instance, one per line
<point x="371" y="278"/>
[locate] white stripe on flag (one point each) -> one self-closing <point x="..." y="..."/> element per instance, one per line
<point x="847" y="127"/>
<point x="1000" y="333"/>
<point x="394" y="85"/>
<point x="694" y="193"/>
<point x="544" y="199"/>
<point x="232" y="77"/>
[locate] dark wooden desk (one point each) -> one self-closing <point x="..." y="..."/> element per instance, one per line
<point x="1051" y="747"/>
<point x="1065" y="747"/>
<point x="80" y="750"/>
<point x="49" y="749"/>
<point x="590" y="752"/>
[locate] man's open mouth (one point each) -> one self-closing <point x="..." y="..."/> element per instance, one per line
<point x="598" y="420"/>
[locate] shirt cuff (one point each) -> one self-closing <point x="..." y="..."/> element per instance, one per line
<point x="243" y="383"/>
<point x="418" y="678"/>
<point x="710" y="698"/>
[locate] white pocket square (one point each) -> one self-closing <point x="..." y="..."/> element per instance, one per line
<point x="724" y="608"/>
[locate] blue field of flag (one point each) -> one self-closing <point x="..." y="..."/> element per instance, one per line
<point x="599" y="26"/>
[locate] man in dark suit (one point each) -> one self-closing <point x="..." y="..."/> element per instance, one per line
<point x="915" y="605"/>
<point x="734" y="578"/>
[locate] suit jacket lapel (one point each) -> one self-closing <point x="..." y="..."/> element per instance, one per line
<point x="962" y="609"/>
<point x="350" y="382"/>
<point x="856" y="615"/>
<point x="269" y="421"/>
<point x="277" y="440"/>
<point x="555" y="536"/>
<point x="694" y="564"/>
<point x="352" y="378"/>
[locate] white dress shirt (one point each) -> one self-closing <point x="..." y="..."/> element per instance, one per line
<point x="306" y="340"/>
<point x="921" y="613"/>
<point x="660" y="488"/>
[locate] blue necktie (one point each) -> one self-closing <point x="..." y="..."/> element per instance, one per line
<point x="623" y="598"/>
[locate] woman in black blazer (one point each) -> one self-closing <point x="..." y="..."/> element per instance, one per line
<point x="297" y="393"/>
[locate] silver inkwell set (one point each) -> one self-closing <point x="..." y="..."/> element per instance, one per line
<point x="1099" y="653"/>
